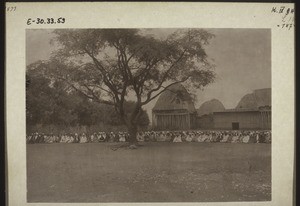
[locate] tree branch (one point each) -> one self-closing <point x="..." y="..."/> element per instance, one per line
<point x="104" y="74"/>
<point x="165" y="76"/>
<point x="149" y="98"/>
<point x="93" y="97"/>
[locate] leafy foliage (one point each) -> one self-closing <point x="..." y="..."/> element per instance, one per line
<point x="52" y="103"/>
<point x="111" y="66"/>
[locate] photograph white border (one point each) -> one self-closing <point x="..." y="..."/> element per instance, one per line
<point x="153" y="15"/>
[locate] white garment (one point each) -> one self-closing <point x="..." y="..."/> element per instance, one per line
<point x="199" y="139"/>
<point x="70" y="139"/>
<point x="177" y="139"/>
<point x="83" y="139"/>
<point x="225" y="138"/>
<point x="246" y="139"/>
<point x="235" y="139"/>
<point x="122" y="139"/>
<point x="188" y="138"/>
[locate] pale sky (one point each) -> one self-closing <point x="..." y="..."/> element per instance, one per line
<point x="242" y="58"/>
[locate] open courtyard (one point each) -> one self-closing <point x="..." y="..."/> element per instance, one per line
<point x="155" y="172"/>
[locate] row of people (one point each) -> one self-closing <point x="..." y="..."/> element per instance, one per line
<point x="152" y="136"/>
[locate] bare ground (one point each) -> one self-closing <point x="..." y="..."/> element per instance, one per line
<point x="155" y="172"/>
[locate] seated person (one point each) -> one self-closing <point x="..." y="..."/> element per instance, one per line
<point x="177" y="138"/>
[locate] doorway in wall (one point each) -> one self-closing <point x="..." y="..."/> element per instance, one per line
<point x="235" y="125"/>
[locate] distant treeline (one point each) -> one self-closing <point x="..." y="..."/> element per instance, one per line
<point x="51" y="106"/>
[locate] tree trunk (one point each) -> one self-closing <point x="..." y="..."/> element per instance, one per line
<point x="132" y="130"/>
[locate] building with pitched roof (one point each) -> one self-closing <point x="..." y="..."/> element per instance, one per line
<point x="252" y="112"/>
<point x="174" y="110"/>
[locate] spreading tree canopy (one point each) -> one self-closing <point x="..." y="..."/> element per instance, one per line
<point x="113" y="66"/>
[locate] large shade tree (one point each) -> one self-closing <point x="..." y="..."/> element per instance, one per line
<point x="113" y="66"/>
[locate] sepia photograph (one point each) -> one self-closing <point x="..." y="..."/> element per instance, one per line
<point x="148" y="115"/>
<point x="150" y="103"/>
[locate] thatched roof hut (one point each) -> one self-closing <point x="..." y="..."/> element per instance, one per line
<point x="210" y="106"/>
<point x="176" y="97"/>
<point x="259" y="98"/>
<point x="174" y="110"/>
<point x="252" y="112"/>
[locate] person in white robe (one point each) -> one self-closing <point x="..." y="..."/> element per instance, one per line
<point x="206" y="137"/>
<point x="163" y="136"/>
<point x="111" y="137"/>
<point x="101" y="137"/>
<point x="71" y="139"/>
<point x="246" y="138"/>
<point x="268" y="137"/>
<point x="235" y="138"/>
<point x="257" y="138"/>
<point x="122" y="137"/>
<point x="92" y="138"/>
<point x="188" y="137"/>
<point x="193" y="136"/>
<point x="140" y="137"/>
<point x="76" y="138"/>
<point x="177" y="138"/>
<point x="199" y="137"/>
<point x="47" y="139"/>
<point x="168" y="136"/>
<point x="51" y="139"/>
<point x="62" y="139"/>
<point x="213" y="137"/>
<point x="225" y="137"/>
<point x="68" y="138"/>
<point x="83" y="138"/>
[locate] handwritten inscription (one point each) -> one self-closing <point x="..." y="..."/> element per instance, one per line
<point x="11" y="8"/>
<point x="287" y="16"/>
<point x="59" y="20"/>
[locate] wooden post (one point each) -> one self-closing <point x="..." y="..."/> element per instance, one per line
<point x="188" y="121"/>
<point x="153" y="120"/>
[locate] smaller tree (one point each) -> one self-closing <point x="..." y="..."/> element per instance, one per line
<point x="52" y="102"/>
<point x="47" y="102"/>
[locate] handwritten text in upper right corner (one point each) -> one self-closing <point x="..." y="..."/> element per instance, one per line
<point x="287" y="19"/>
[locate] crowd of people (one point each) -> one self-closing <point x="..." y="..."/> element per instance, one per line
<point x="153" y="136"/>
